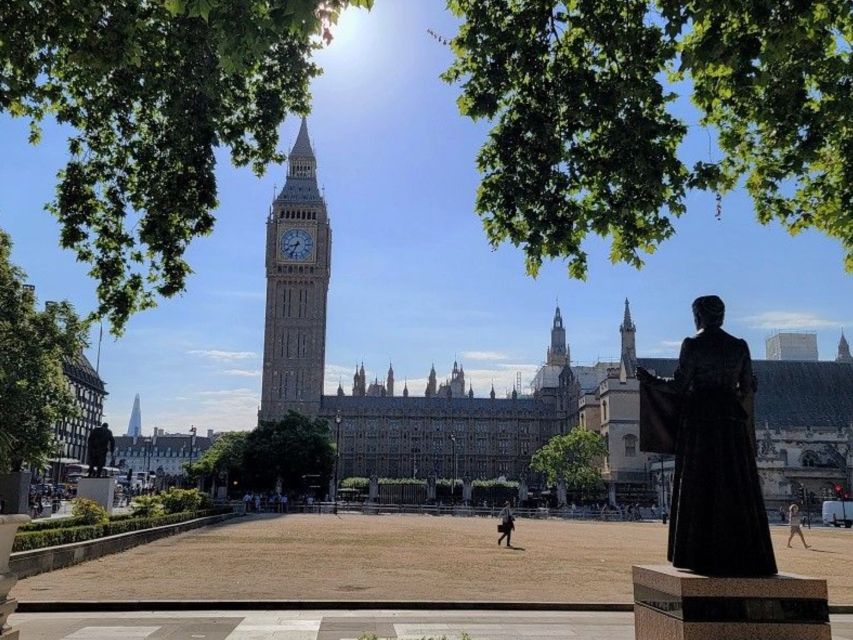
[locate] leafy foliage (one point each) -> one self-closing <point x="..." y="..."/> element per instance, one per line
<point x="583" y="140"/>
<point x="297" y="450"/>
<point x="355" y="482"/>
<point x="88" y="511"/>
<point x="146" y="506"/>
<point x="34" y="393"/>
<point x="225" y="455"/>
<point x="574" y="457"/>
<point x="66" y="531"/>
<point x="178" y="500"/>
<point x="150" y="89"/>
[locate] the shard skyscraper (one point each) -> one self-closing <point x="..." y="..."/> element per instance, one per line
<point x="134" y="427"/>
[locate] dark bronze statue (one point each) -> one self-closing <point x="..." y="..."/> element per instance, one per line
<point x="100" y="441"/>
<point x="718" y="524"/>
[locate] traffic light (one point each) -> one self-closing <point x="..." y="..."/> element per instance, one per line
<point x="802" y="494"/>
<point x="839" y="490"/>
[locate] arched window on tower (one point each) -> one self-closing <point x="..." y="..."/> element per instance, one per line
<point x="630" y="445"/>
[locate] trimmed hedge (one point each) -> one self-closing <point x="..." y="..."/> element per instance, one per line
<point x="51" y="537"/>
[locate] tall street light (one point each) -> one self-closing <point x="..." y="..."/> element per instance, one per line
<point x="338" y="421"/>
<point x="192" y="444"/>
<point x="453" y="480"/>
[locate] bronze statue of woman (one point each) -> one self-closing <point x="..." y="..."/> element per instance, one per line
<point x="703" y="415"/>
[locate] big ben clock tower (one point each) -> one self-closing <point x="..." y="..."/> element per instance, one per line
<point x="298" y="265"/>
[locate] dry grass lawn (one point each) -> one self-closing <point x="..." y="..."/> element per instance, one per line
<point x="355" y="557"/>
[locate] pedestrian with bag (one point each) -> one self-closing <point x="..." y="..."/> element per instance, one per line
<point x="507" y="525"/>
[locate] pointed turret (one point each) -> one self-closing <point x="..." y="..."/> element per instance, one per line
<point x="558" y="352"/>
<point x="432" y="383"/>
<point x="301" y="183"/>
<point x="302" y="146"/>
<point x="492" y="392"/>
<point x="843" y="350"/>
<point x="340" y="389"/>
<point x="470" y="391"/>
<point x="406" y="389"/>
<point x="629" y="350"/>
<point x="389" y="383"/>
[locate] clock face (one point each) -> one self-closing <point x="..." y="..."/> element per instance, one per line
<point x="297" y="244"/>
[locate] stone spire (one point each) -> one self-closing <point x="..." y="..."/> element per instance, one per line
<point x="470" y="390"/>
<point x="301" y="182"/>
<point x="406" y="389"/>
<point x="389" y="383"/>
<point x="432" y="383"/>
<point x="558" y="352"/>
<point x="843" y="350"/>
<point x="340" y="388"/>
<point x="629" y="349"/>
<point x="492" y="392"/>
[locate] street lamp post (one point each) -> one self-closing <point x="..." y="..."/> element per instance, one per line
<point x="453" y="480"/>
<point x="338" y="421"/>
<point x="193" y="431"/>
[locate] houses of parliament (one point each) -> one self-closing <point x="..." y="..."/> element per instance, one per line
<point x="804" y="410"/>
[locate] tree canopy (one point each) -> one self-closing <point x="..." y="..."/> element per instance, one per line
<point x="150" y="88"/>
<point x="34" y="393"/>
<point x="575" y="457"/>
<point x="297" y="450"/>
<point x="584" y="140"/>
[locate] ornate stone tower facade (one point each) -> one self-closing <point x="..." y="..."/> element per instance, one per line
<point x="558" y="352"/>
<point x="298" y="266"/>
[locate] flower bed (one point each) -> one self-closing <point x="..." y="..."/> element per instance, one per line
<point x="39" y="535"/>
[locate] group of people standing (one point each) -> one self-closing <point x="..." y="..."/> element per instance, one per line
<point x="274" y="502"/>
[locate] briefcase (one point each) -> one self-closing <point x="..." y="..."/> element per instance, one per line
<point x="501" y="529"/>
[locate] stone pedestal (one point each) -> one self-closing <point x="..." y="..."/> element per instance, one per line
<point x="8" y="526"/>
<point x="101" y="490"/>
<point x="561" y="493"/>
<point x="467" y="490"/>
<point x="15" y="490"/>
<point x="681" y="605"/>
<point x="373" y="489"/>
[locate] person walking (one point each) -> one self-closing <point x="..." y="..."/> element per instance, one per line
<point x="507" y="524"/>
<point x="794" y="520"/>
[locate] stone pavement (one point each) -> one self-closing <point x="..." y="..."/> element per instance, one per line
<point x="338" y="625"/>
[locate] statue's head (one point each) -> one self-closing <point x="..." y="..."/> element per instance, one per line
<point x="708" y="312"/>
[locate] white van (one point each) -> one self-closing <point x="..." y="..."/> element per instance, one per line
<point x="836" y="513"/>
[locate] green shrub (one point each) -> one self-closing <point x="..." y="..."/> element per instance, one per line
<point x="401" y="481"/>
<point x="28" y="540"/>
<point x="179" y="500"/>
<point x="89" y="511"/>
<point x="355" y="483"/>
<point x="53" y="537"/>
<point x="51" y="523"/>
<point x="146" y="507"/>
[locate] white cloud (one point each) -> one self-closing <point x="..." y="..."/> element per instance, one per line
<point x="484" y="355"/>
<point x="770" y="320"/>
<point x="223" y="356"/>
<point x="243" y="373"/>
<point x="220" y="409"/>
<point x="665" y="347"/>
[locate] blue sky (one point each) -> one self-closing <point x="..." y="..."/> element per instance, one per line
<point x="414" y="280"/>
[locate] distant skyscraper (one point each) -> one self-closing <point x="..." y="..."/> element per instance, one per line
<point x="792" y="346"/>
<point x="134" y="427"/>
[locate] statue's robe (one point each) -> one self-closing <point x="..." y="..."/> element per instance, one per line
<point x="718" y="524"/>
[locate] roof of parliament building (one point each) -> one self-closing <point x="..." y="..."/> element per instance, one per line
<point x="791" y="393"/>
<point x="435" y="405"/>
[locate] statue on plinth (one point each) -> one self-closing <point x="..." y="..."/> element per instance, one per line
<point x="100" y="441"/>
<point x="704" y="415"/>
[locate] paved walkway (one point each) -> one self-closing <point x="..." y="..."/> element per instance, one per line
<point x="338" y="625"/>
